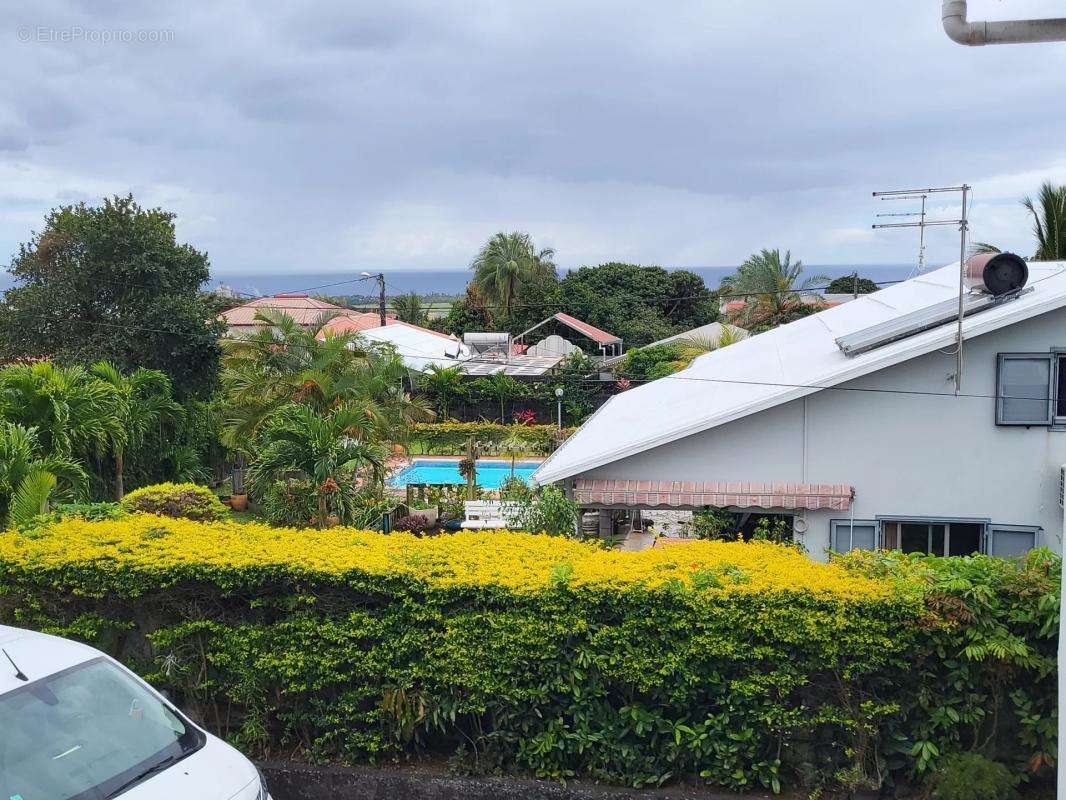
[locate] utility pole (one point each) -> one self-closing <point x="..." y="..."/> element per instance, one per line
<point x="855" y="285"/>
<point x="380" y="277"/>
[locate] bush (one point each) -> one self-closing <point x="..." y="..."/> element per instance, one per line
<point x="411" y="522"/>
<point x="971" y="776"/>
<point x="293" y="502"/>
<point x="452" y="437"/>
<point x="738" y="664"/>
<point x="94" y="512"/>
<point x="549" y="511"/>
<point x="176" y="500"/>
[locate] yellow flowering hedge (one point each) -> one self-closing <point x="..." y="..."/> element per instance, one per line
<point x="742" y="665"/>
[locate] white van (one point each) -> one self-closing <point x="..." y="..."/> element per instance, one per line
<point x="77" y="725"/>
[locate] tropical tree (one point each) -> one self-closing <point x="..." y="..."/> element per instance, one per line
<point x="1049" y="222"/>
<point x="29" y="479"/>
<point x="112" y="282"/>
<point x="444" y="384"/>
<point x="409" y="308"/>
<point x="503" y="263"/>
<point x="285" y="363"/>
<point x="771" y="286"/>
<point x="74" y="412"/>
<point x="335" y="451"/>
<point x="145" y="403"/>
<point x="503" y="388"/>
<point x="691" y="349"/>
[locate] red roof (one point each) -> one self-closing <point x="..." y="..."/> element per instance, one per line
<point x="692" y="494"/>
<point x="591" y="331"/>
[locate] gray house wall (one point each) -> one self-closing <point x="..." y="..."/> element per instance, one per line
<point x="906" y="455"/>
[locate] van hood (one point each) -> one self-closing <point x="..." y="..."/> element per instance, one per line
<point x="214" y="772"/>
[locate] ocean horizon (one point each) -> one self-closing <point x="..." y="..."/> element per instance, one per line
<point x="453" y="281"/>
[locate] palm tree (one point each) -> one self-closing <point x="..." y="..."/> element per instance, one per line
<point x="73" y="411"/>
<point x="145" y="403"/>
<point x="503" y="388"/>
<point x="691" y="349"/>
<point x="409" y="308"/>
<point x="285" y="363"/>
<point x="1049" y="222"/>
<point x="443" y="383"/>
<point x="505" y="261"/>
<point x="28" y="479"/>
<point x="770" y="285"/>
<point x="334" y="450"/>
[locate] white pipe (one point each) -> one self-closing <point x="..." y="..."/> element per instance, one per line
<point x="1012" y="32"/>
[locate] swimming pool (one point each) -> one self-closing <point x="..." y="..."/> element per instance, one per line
<point x="490" y="474"/>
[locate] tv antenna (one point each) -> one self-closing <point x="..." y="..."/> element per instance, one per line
<point x="921" y="224"/>
<point x="920" y="267"/>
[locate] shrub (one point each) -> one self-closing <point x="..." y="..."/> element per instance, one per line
<point x="452" y="437"/>
<point x="176" y="500"/>
<point x="90" y="511"/>
<point x="740" y="664"/>
<point x="549" y="511"/>
<point x="411" y="522"/>
<point x="971" y="776"/>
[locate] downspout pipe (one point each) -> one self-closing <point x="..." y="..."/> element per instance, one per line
<point x="975" y="34"/>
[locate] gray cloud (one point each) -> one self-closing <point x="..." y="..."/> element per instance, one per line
<point x="339" y="134"/>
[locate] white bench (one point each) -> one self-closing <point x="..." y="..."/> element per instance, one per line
<point x="485" y="514"/>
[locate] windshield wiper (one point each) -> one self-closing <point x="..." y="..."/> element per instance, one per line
<point x="146" y="773"/>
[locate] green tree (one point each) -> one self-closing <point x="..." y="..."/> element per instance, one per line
<point x="284" y="363"/>
<point x="408" y="308"/>
<point x="335" y="451"/>
<point x="640" y="304"/>
<point x="145" y="403"/>
<point x="29" y="478"/>
<point x="771" y="286"/>
<point x="443" y="384"/>
<point x="73" y="412"/>
<point x="691" y="349"/>
<point x="505" y="262"/>
<point x="1049" y="222"/>
<point x="847" y="284"/>
<point x="110" y="282"/>
<point x="502" y="388"/>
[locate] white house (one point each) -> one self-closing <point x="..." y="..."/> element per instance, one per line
<point x="849" y="422"/>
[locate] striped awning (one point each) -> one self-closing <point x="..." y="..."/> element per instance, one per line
<point x="692" y="494"/>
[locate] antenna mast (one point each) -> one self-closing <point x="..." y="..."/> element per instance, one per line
<point x="964" y="227"/>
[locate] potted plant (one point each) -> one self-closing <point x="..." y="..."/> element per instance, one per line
<point x="425" y="509"/>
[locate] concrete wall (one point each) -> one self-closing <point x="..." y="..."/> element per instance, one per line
<point x="906" y="455"/>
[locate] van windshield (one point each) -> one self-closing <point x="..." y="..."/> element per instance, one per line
<point x="87" y="733"/>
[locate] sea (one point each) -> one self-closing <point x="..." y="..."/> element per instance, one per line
<point x="453" y="281"/>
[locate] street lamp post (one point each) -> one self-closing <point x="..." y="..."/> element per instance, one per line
<point x="559" y="407"/>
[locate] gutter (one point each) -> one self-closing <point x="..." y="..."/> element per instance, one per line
<point x="975" y="34"/>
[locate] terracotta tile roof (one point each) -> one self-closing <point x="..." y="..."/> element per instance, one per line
<point x="692" y="494"/>
<point x="591" y="331"/>
<point x="303" y="309"/>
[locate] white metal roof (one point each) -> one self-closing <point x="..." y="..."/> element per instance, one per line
<point x="419" y="347"/>
<point x="783" y="364"/>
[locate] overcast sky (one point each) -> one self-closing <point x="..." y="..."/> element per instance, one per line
<point x="350" y="134"/>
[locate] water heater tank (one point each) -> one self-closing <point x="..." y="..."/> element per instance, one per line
<point x="996" y="273"/>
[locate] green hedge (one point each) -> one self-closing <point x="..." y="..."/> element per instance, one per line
<point x="617" y="677"/>
<point x="450" y="438"/>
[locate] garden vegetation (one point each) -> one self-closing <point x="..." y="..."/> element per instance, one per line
<point x="743" y="665"/>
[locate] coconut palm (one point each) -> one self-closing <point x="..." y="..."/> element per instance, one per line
<point x="73" y="411"/>
<point x="29" y="479"/>
<point x="145" y="404"/>
<point x="1049" y="222"/>
<point x="409" y="308"/>
<point x="505" y="261"/>
<point x="335" y="450"/>
<point x="770" y="285"/>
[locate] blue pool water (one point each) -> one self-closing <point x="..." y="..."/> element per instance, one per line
<point x="490" y="474"/>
